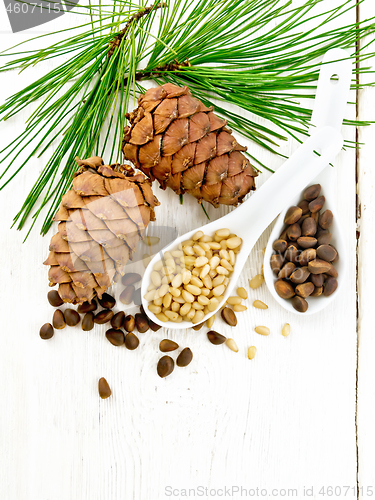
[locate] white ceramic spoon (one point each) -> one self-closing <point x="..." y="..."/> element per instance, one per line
<point x="250" y="219"/>
<point x="329" y="108"/>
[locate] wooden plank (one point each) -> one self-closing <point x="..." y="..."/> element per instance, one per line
<point x="284" y="420"/>
<point x="366" y="339"/>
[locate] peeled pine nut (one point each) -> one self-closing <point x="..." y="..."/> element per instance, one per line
<point x="158" y="265"/>
<point x="205" y="238"/>
<point x="218" y="280"/>
<point x="205" y="291"/>
<point x="151" y="287"/>
<point x="214" y="245"/>
<point x="262" y="330"/>
<point x="163" y="290"/>
<point x="203" y="300"/>
<point x="210" y="321"/>
<point x="224" y="254"/>
<point x="206" y="247"/>
<point x="175" y="306"/>
<point x="171" y="315"/>
<point x="200" y="261"/>
<point x="205" y="271"/>
<point x="251" y="352"/>
<point x="185" y="308"/>
<point x="162" y="317"/>
<point x="175" y="292"/>
<point x="190" y="315"/>
<point x="187" y="296"/>
<point x="154" y="309"/>
<point x="196" y="282"/>
<point x="195" y="272"/>
<point x="186" y="276"/>
<point x="177" y="253"/>
<point x="256" y="281"/>
<point x="197" y="306"/>
<point x="286" y="330"/>
<point x="232" y="257"/>
<point x="149" y="296"/>
<point x="197" y="235"/>
<point x="158" y="301"/>
<point x="259" y="304"/>
<point x="214" y="262"/>
<point x="155" y="278"/>
<point x="226" y="264"/>
<point x="167" y="300"/>
<point x="222" y="270"/>
<point x="222" y="233"/>
<point x="234" y="242"/>
<point x="195" y="290"/>
<point x="188" y="250"/>
<point x="177" y="281"/>
<point x="212" y="273"/>
<point x="232" y="345"/>
<point x="241" y="292"/>
<point x="198" y="317"/>
<point x="234" y="300"/>
<point x="239" y="308"/>
<point x="198" y="250"/>
<point x="207" y="281"/>
<point x="218" y="290"/>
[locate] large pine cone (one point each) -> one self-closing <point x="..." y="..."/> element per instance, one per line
<point x="101" y="221"/>
<point x="180" y="142"/>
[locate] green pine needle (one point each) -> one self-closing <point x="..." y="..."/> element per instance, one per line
<point x="260" y="56"/>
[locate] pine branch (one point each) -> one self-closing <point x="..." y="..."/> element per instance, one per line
<point x="258" y="55"/>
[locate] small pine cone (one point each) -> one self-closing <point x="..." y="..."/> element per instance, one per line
<point x="174" y="138"/>
<point x="101" y="220"/>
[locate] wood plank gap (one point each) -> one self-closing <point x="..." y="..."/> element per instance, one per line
<point x="358" y="217"/>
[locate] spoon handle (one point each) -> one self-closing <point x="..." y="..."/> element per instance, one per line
<point x="252" y="217"/>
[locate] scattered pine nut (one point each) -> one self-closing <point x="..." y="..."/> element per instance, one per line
<point x="239" y="308"/>
<point x="251" y="352"/>
<point x="286" y="330"/>
<point x="234" y="300"/>
<point x="241" y="292"/>
<point x="257" y="281"/>
<point x="259" y="304"/>
<point x="232" y="345"/>
<point x="262" y="330"/>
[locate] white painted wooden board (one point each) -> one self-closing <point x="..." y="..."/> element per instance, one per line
<point x="366" y="337"/>
<point x="284" y="420"/>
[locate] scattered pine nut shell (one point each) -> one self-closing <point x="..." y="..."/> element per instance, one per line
<point x="232" y="345"/>
<point x="262" y="330"/>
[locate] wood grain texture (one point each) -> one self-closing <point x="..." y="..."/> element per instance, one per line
<point x="284" y="420"/>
